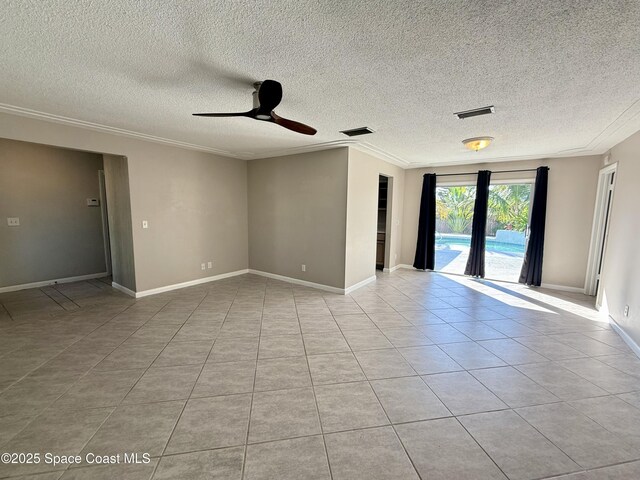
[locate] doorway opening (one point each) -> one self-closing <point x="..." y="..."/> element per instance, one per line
<point x="61" y="238"/>
<point x="382" y="237"/>
<point x="600" y="231"/>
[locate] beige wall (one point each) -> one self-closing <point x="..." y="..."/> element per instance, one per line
<point x="571" y="198"/>
<point x="362" y="208"/>
<point x="276" y="214"/>
<point x="59" y="235"/>
<point x="621" y="274"/>
<point x="195" y="202"/>
<point x="116" y="174"/>
<point x="297" y="215"/>
<point x="196" y="206"/>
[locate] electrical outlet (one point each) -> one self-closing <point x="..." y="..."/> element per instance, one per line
<point x="304" y="268"/>
<point x="203" y="266"/>
<point x="210" y="265"/>
<point x="13" y="221"/>
<point x="626" y="310"/>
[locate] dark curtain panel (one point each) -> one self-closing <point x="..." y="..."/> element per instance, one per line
<point x="531" y="273"/>
<point x="475" y="263"/>
<point x="426" y="246"/>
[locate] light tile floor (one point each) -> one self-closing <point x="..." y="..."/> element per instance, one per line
<point x="419" y="375"/>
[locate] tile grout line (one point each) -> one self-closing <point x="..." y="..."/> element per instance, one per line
<point x="35" y="417"/>
<point x="186" y="400"/>
<point x="115" y="407"/>
<point x="315" y="399"/>
<point x="253" y="389"/>
<point x="415" y="469"/>
<point x="452" y="324"/>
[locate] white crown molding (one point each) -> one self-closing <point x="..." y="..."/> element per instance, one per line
<point x="565" y="153"/>
<point x="610" y="136"/>
<point x="617" y="131"/>
<point x="50" y="117"/>
<point x="315" y="147"/>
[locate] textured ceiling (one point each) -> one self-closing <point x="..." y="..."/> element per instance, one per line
<point x="564" y="75"/>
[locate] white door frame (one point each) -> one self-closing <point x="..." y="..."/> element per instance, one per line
<point x="105" y="221"/>
<point x="599" y="230"/>
<point x="389" y="223"/>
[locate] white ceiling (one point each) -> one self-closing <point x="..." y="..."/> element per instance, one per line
<point x="563" y="75"/>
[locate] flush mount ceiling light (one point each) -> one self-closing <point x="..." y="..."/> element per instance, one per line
<point x="477" y="143"/>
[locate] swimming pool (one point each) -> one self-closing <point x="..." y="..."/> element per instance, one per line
<point x="444" y="241"/>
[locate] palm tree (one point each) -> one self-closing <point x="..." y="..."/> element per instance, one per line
<point x="454" y="205"/>
<point x="509" y="204"/>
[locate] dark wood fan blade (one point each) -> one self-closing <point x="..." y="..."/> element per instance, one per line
<point x="239" y="114"/>
<point x="269" y="95"/>
<point x="291" y="125"/>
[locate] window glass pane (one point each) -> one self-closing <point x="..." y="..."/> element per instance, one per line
<point x="507" y="224"/>
<point x="454" y="215"/>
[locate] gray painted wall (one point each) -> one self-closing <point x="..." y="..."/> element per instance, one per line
<point x="297" y="215"/>
<point x="195" y="202"/>
<point x="59" y="235"/>
<point x="119" y="213"/>
<point x="196" y="206"/>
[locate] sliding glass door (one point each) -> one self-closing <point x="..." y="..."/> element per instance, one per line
<point x="507" y="229"/>
<point x="454" y="215"/>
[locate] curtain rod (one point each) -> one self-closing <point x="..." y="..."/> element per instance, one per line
<point x="475" y="173"/>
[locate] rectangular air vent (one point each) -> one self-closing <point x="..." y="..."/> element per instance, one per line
<point x="475" y="112"/>
<point x="354" y="132"/>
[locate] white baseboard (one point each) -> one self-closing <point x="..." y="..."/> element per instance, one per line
<point x="117" y="286"/>
<point x="46" y="283"/>
<point x="562" y="288"/>
<point x="297" y="281"/>
<point x="361" y="284"/>
<point x="190" y="283"/>
<point x="393" y="269"/>
<point x="625" y="336"/>
<point x="550" y="286"/>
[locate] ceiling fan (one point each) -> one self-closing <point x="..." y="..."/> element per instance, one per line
<point x="266" y="98"/>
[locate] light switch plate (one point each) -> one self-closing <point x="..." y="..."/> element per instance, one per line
<point x="145" y="224"/>
<point x="13" y="221"/>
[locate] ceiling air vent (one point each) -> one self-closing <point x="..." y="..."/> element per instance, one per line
<point x="475" y="112"/>
<point x="354" y="132"/>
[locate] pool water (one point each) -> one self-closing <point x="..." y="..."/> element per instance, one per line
<point x="444" y="241"/>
